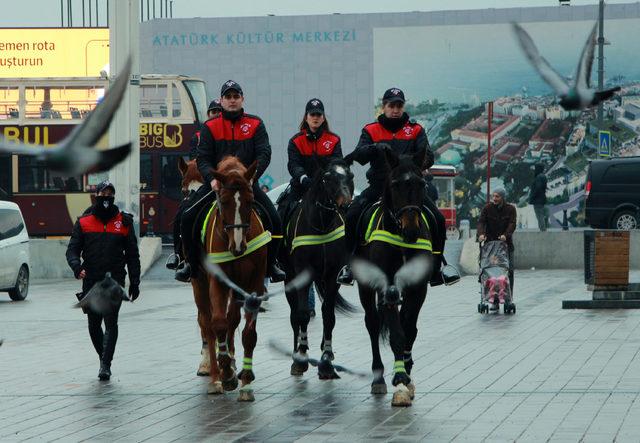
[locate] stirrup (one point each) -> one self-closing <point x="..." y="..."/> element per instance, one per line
<point x="345" y="276"/>
<point x="169" y="264"/>
<point x="450" y="275"/>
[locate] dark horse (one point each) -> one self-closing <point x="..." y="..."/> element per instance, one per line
<point x="315" y="240"/>
<point x="396" y="232"/>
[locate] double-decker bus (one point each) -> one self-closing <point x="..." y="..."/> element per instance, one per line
<point x="45" y="110"/>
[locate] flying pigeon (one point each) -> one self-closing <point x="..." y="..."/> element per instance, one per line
<point x="575" y="96"/>
<point x="411" y="273"/>
<point x="251" y="302"/>
<point x="76" y="155"/>
<point x="104" y="297"/>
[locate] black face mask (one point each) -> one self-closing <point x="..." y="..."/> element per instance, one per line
<point x="104" y="206"/>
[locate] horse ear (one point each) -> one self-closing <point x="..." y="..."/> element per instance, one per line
<point x="250" y="175"/>
<point x="391" y="158"/>
<point x="419" y="158"/>
<point x="219" y="176"/>
<point x="182" y="166"/>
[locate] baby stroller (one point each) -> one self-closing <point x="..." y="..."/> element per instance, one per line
<point x="495" y="288"/>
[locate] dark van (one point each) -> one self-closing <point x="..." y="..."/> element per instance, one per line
<point x="613" y="194"/>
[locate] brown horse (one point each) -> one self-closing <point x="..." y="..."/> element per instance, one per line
<point x="229" y="231"/>
<point x="191" y="181"/>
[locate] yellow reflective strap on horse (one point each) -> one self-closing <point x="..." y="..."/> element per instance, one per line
<point x="314" y="240"/>
<point x="247" y="363"/>
<point x="253" y="245"/>
<point x="381" y="235"/>
<point x="398" y="367"/>
<point x="203" y="231"/>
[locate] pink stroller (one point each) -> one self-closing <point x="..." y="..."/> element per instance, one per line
<point x="495" y="288"/>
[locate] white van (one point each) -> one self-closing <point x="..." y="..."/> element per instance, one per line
<point x="14" y="252"/>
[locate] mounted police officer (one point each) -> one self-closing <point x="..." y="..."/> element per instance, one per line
<point x="215" y="108"/>
<point x="308" y="150"/>
<point x="392" y="130"/>
<point x="103" y="240"/>
<point x="242" y="135"/>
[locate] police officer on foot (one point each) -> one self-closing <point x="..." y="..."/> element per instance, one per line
<point x="215" y="108"/>
<point x="236" y="133"/>
<point x="103" y="240"/>
<point x="393" y="128"/>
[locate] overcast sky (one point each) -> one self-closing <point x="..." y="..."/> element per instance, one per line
<point x="31" y="13"/>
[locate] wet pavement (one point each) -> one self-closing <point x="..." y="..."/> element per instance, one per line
<point x="543" y="374"/>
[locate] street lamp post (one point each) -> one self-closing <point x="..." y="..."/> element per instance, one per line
<point x="600" y="59"/>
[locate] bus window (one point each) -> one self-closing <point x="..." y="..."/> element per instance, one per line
<point x="199" y="96"/>
<point x="60" y="102"/>
<point x="9" y="103"/>
<point x="33" y="176"/>
<point x="153" y="101"/>
<point x="175" y="101"/>
<point x="146" y="173"/>
<point x="170" y="181"/>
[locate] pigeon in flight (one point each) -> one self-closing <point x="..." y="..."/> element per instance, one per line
<point x="413" y="272"/>
<point x="252" y="302"/>
<point x="76" y="154"/>
<point x="104" y="297"/>
<point x="575" y="96"/>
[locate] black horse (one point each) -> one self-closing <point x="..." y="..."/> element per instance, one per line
<point x="396" y="231"/>
<point x="314" y="239"/>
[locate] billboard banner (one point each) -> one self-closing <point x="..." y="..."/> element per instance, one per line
<point x="450" y="73"/>
<point x="53" y="52"/>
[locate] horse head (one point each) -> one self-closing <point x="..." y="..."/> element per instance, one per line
<point x="235" y="200"/>
<point x="405" y="192"/>
<point x="191" y="177"/>
<point x="333" y="184"/>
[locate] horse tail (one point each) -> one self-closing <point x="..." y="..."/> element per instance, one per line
<point x="384" y="326"/>
<point x="343" y="306"/>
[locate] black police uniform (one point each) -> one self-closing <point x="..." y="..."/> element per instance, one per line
<point x="105" y="239"/>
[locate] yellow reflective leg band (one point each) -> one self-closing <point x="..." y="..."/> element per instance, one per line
<point x="398" y="367"/>
<point x="247" y="363"/>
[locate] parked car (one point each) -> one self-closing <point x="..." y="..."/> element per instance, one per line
<point x="14" y="252"/>
<point x="613" y="194"/>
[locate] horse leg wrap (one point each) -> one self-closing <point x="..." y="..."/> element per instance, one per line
<point x="327" y="346"/>
<point x="247" y="364"/>
<point x="222" y="349"/>
<point x="246" y="375"/>
<point x="398" y="367"/>
<point x="302" y="340"/>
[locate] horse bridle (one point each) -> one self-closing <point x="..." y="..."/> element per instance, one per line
<point x="407" y="208"/>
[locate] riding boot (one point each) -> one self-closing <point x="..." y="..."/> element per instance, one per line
<point x="345" y="276"/>
<point x="173" y="261"/>
<point x="437" y="278"/>
<point x="184" y="273"/>
<point x="273" y="270"/>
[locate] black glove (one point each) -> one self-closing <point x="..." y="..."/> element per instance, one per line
<point x="349" y="159"/>
<point x="134" y="292"/>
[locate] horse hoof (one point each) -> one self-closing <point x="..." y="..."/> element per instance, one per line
<point x="298" y="368"/>
<point x="230" y="384"/>
<point x="246" y="395"/>
<point x="379" y="388"/>
<point x="215" y="388"/>
<point x="203" y="373"/>
<point x="401" y="396"/>
<point x="333" y="375"/>
<point x="412" y="390"/>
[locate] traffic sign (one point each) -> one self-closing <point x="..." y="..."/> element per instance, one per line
<point x="604" y="143"/>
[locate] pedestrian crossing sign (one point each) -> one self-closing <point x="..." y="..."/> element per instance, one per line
<point x="604" y="143"/>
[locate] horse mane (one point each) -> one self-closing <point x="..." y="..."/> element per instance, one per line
<point x="405" y="165"/>
<point x="316" y="191"/>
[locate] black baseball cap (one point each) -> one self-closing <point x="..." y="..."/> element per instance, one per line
<point x="230" y="85"/>
<point x="393" y="95"/>
<point x="215" y="105"/>
<point x="314" y="106"/>
<point x="104" y="185"/>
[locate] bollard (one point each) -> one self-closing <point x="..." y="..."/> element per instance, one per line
<point x="565" y="220"/>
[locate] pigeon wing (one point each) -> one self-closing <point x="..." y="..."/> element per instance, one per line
<point x="543" y="67"/>
<point x="215" y="270"/>
<point x="300" y="281"/>
<point x="583" y="73"/>
<point x="98" y="121"/>
<point x="413" y="272"/>
<point x="369" y="275"/>
<point x="108" y="158"/>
